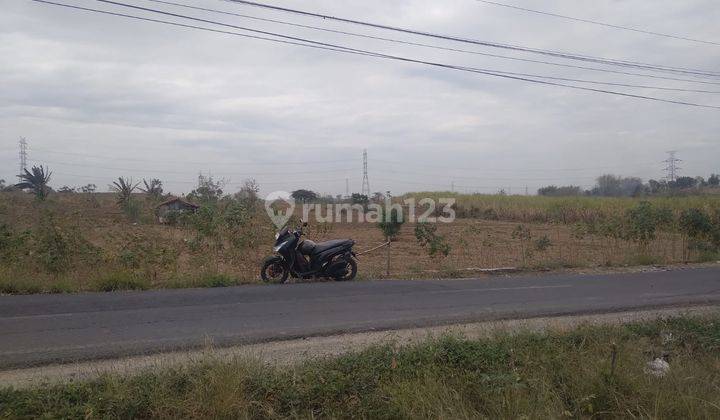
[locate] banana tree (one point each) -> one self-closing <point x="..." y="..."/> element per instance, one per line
<point x="36" y="180"/>
<point x="124" y="188"/>
<point x="153" y="188"/>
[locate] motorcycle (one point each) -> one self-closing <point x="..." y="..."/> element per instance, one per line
<point x="302" y="258"/>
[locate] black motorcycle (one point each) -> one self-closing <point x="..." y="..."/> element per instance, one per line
<point x="302" y="258"/>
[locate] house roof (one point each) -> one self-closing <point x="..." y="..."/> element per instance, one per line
<point x="178" y="199"/>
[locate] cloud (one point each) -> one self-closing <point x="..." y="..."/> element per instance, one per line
<point x="78" y="84"/>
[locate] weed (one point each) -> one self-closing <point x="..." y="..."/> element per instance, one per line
<point x="591" y="371"/>
<point x="121" y="280"/>
<point x="217" y="280"/>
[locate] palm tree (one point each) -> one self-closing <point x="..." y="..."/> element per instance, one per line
<point x="124" y="187"/>
<point x="36" y="180"/>
<point x="154" y="188"/>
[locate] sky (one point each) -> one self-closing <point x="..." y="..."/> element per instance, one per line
<point x="98" y="96"/>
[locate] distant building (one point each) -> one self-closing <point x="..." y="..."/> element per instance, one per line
<point x="174" y="206"/>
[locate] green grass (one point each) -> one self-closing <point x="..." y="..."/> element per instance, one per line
<point x="527" y="375"/>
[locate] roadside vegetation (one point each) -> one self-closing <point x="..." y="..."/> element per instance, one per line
<point x="591" y="371"/>
<point x="78" y="239"/>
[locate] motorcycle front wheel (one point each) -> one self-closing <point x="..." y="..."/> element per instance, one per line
<point x="274" y="271"/>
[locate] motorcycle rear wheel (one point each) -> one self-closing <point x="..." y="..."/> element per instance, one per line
<point x="274" y="271"/>
<point x="351" y="273"/>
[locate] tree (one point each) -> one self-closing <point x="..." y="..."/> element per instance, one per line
<point x="714" y="180"/>
<point x="248" y="193"/>
<point x="154" y="188"/>
<point x="208" y="190"/>
<point x="88" y="189"/>
<point x="124" y="188"/>
<point x="361" y="199"/>
<point x="36" y="180"/>
<point x="390" y="224"/>
<point x="656" y="186"/>
<point x="304" y="196"/>
<point x="554" y="191"/>
<point x="685" y="182"/>
<point x="378" y="197"/>
<point x="390" y="221"/>
<point x="607" y="185"/>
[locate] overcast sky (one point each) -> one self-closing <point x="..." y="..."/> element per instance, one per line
<point x="99" y="97"/>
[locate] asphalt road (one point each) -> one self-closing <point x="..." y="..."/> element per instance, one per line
<point x="40" y="329"/>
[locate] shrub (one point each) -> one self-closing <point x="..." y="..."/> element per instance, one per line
<point x="52" y="246"/>
<point x="390" y="222"/>
<point x="426" y="237"/>
<point x="542" y="243"/>
<point x="643" y="221"/>
<point x="696" y="224"/>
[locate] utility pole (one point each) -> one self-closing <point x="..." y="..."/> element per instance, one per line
<point x="671" y="167"/>
<point x="23" y="156"/>
<point x="452" y="186"/>
<point x="365" y="183"/>
<point x="347" y="187"/>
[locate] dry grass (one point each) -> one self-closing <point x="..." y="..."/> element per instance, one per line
<point x="118" y="254"/>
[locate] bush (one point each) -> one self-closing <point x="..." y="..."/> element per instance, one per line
<point x="426" y="236"/>
<point x="542" y="243"/>
<point x="643" y="221"/>
<point x="390" y="222"/>
<point x="52" y="246"/>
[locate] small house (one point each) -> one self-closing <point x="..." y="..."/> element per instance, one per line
<point x="174" y="206"/>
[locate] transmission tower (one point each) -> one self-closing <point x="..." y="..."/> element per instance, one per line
<point x="365" y="183"/>
<point x="671" y="167"/>
<point x="23" y="156"/>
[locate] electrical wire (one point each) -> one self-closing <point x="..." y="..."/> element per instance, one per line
<point x="418" y="44"/>
<point x="595" y="22"/>
<point x="279" y="173"/>
<point x="326" y="46"/>
<point x="215" y="163"/>
<point x="559" y="54"/>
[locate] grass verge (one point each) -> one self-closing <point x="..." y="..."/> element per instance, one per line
<point x="535" y="375"/>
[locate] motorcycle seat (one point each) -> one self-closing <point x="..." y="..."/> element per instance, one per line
<point x="324" y="246"/>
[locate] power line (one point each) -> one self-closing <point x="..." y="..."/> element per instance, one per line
<point x="595" y="22"/>
<point x="192" y="162"/>
<point x="525" y="170"/>
<point x="174" y="181"/>
<point x="419" y="44"/>
<point x="279" y="173"/>
<point x="337" y="48"/>
<point x="565" y="55"/>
